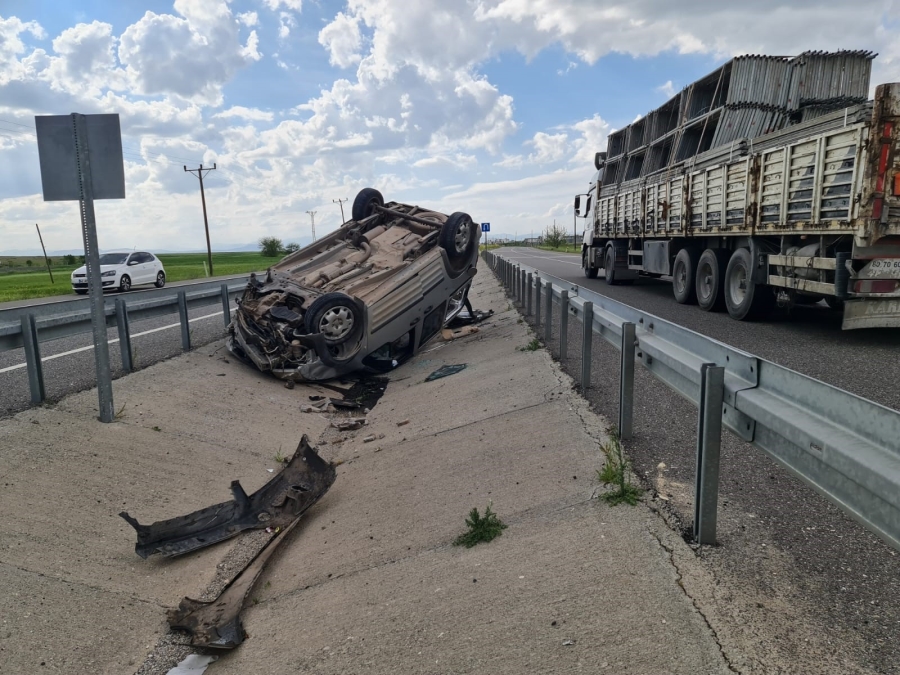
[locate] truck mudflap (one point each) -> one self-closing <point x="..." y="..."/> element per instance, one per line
<point x="872" y="313"/>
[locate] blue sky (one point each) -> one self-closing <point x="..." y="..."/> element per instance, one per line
<point x="494" y="107"/>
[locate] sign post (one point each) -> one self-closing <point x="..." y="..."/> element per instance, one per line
<point x="485" y="227"/>
<point x="81" y="159"/>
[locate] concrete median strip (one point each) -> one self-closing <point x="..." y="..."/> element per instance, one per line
<point x="368" y="580"/>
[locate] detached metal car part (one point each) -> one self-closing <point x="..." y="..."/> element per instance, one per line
<point x="365" y="297"/>
<point x="278" y="503"/>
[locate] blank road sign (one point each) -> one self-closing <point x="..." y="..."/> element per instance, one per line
<point x="59" y="164"/>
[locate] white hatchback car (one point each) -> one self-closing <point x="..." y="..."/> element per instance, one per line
<point x="121" y="271"/>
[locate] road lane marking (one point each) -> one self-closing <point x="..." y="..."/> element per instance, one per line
<point x="44" y="359"/>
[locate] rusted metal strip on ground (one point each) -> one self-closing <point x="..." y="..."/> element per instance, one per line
<point x="303" y="480"/>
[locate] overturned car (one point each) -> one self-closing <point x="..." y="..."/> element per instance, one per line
<point x="365" y="297"/>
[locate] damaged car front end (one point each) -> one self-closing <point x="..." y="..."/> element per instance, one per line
<point x="365" y="297"/>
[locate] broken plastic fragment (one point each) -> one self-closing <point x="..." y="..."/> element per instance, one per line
<point x="194" y="664"/>
<point x="444" y="371"/>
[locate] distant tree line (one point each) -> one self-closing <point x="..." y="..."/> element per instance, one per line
<point x="273" y="246"/>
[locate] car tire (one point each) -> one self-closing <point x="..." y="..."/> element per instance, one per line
<point x="458" y="238"/>
<point x="365" y="203"/>
<point x="745" y="300"/>
<point x="710" y="279"/>
<point x="684" y="273"/>
<point x="160" y="279"/>
<point x="589" y="272"/>
<point x="80" y="291"/>
<point x="336" y="316"/>
<point x="125" y="284"/>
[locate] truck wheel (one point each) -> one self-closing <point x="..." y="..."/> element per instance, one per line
<point x="589" y="272"/>
<point x="364" y="204"/>
<point x="610" y="273"/>
<point x="710" y="286"/>
<point x="684" y="273"/>
<point x="745" y="299"/>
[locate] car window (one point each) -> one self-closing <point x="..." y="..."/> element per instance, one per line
<point x="113" y="258"/>
<point x="144" y="257"/>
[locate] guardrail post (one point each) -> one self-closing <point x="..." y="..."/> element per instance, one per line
<point x="529" y="282"/>
<point x="709" y="441"/>
<point x="537" y="300"/>
<point x="124" y="335"/>
<point x="548" y="316"/>
<point x="523" y="279"/>
<point x="563" y="324"/>
<point x="33" y="359"/>
<point x="626" y="382"/>
<point x="226" y="305"/>
<point x="587" y="341"/>
<point x="185" y="326"/>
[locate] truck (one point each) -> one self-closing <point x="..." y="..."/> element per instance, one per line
<point x="772" y="181"/>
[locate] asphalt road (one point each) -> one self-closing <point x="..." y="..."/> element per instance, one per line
<point x="69" y="362"/>
<point x="783" y="549"/>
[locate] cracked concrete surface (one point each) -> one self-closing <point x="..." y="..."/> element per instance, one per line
<point x="369" y="581"/>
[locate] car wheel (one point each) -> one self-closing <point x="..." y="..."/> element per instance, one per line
<point x="336" y="316"/>
<point x="458" y="238"/>
<point x="745" y="299"/>
<point x="125" y="283"/>
<point x="710" y="285"/>
<point x="589" y="272"/>
<point x="684" y="272"/>
<point x="80" y="291"/>
<point x="160" y="279"/>
<point x="365" y="203"/>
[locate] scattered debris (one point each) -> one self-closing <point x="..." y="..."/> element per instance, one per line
<point x="346" y="405"/>
<point x="369" y="439"/>
<point x="317" y="397"/>
<point x="288" y="384"/>
<point x="445" y="371"/>
<point x="454" y="334"/>
<point x="568" y="643"/>
<point x="349" y="424"/>
<point x="403" y="423"/>
<point x="299" y="484"/>
<point x="194" y="664"/>
<point x="468" y="317"/>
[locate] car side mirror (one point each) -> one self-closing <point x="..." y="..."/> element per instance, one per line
<point x="132" y="262"/>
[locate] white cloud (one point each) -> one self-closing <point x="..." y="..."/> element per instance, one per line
<point x="343" y="41"/>
<point x="667" y="89"/>
<point x="249" y="19"/>
<point x="274" y="5"/>
<point x="246" y="113"/>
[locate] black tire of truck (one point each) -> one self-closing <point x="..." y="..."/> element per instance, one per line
<point x="365" y="202"/>
<point x="745" y="299"/>
<point x="684" y="275"/>
<point x="710" y="282"/>
<point x="589" y="272"/>
<point x="609" y="267"/>
<point x="458" y="238"/>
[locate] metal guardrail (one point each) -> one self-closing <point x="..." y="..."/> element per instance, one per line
<point x="842" y="445"/>
<point x="29" y="326"/>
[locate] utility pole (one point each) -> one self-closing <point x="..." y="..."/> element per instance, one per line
<point x="200" y="175"/>
<point x="341" y="202"/>
<point x="312" y="215"/>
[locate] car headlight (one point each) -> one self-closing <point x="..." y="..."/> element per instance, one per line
<point x="110" y="273"/>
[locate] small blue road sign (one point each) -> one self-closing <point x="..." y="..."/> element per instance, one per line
<point x="485" y="227"/>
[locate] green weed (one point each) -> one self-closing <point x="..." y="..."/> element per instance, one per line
<point x="481" y="528"/>
<point x="615" y="473"/>
<point x="532" y="346"/>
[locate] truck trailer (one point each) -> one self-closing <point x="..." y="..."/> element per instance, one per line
<point x="771" y="181"/>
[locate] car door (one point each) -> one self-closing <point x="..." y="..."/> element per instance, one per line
<point x="148" y="271"/>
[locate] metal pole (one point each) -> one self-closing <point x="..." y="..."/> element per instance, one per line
<point x="226" y="305"/>
<point x="529" y="281"/>
<point x="33" y="359"/>
<point x="92" y="261"/>
<point x="341" y="203"/>
<point x="124" y="335"/>
<point x="46" y="259"/>
<point x="709" y="441"/>
<point x="548" y="316"/>
<point x="205" y="221"/>
<point x="312" y="215"/>
<point x="587" y="335"/>
<point x="626" y="383"/>
<point x="185" y="326"/>
<point x="563" y="324"/>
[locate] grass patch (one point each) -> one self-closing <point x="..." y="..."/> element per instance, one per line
<point x="615" y="473"/>
<point x="481" y="528"/>
<point x="565" y="248"/>
<point x="532" y="346"/>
